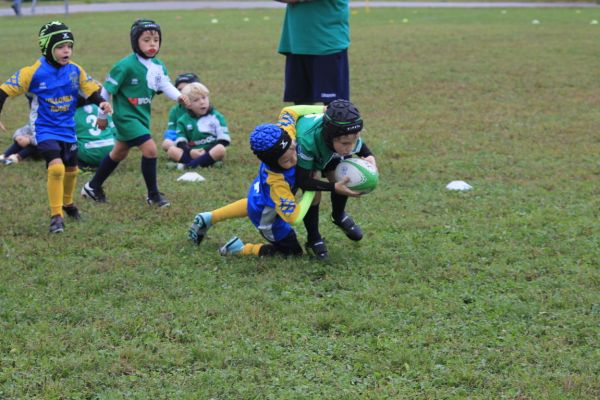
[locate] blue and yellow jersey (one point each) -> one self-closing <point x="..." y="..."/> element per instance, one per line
<point x="271" y="201"/>
<point x="54" y="92"/>
<point x="272" y="206"/>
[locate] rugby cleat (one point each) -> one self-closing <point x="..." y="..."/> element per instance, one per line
<point x="349" y="227"/>
<point x="57" y="224"/>
<point x="157" y="199"/>
<point x="232" y="247"/>
<point x="72" y="211"/>
<point x="318" y="250"/>
<point x="198" y="230"/>
<point x="96" y="194"/>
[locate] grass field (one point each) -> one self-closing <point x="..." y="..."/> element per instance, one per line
<point x="486" y="294"/>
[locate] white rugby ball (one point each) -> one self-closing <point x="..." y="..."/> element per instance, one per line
<point x="363" y="175"/>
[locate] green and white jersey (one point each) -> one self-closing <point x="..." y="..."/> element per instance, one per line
<point x="93" y="144"/>
<point x="175" y="113"/>
<point x="313" y="152"/>
<point x="133" y="81"/>
<point x="203" y="132"/>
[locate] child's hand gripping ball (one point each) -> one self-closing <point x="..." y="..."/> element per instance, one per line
<point x="363" y="175"/>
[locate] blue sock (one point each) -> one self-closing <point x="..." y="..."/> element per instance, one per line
<point x="205" y="160"/>
<point x="106" y="167"/>
<point x="12" y="149"/>
<point x="149" y="172"/>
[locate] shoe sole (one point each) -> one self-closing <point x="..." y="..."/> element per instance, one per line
<point x="200" y="233"/>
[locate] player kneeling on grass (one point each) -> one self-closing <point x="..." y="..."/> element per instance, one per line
<point x="202" y="132"/>
<point x="24" y="145"/>
<point x="55" y="81"/>
<point x="323" y="141"/>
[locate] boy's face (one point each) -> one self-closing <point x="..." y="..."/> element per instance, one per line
<point x="343" y="145"/>
<point x="289" y="159"/>
<point x="149" y="43"/>
<point x="199" y="105"/>
<point x="62" y="54"/>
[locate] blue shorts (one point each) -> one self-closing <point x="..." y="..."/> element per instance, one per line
<point x="270" y="225"/>
<point x="138" y="141"/>
<point x="310" y="79"/>
<point x="170" y="134"/>
<point x="53" y="149"/>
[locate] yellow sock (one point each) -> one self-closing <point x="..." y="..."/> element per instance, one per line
<point x="69" y="186"/>
<point x="237" y="209"/>
<point x="250" y="248"/>
<point x="56" y="177"/>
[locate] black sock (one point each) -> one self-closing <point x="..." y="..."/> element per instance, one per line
<point x="106" y="167"/>
<point x="311" y="223"/>
<point x="149" y="172"/>
<point x="338" y="206"/>
<point x="205" y="160"/>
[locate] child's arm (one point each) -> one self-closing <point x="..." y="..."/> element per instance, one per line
<point x="222" y="130"/>
<point x="283" y="198"/>
<point x="172" y="92"/>
<point x="17" y="84"/>
<point x="301" y="110"/>
<point x="306" y="182"/>
<point x="366" y="154"/>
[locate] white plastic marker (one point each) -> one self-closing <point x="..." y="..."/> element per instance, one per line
<point x="191" y="177"/>
<point x="458" y="185"/>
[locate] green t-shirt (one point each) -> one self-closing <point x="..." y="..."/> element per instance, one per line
<point x="313" y="152"/>
<point x="202" y="132"/>
<point x="318" y="27"/>
<point x="133" y="82"/>
<point x="175" y="113"/>
<point x="92" y="143"/>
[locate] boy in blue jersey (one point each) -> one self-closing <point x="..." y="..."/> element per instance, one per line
<point x="134" y="81"/>
<point x="270" y="204"/>
<point x="54" y="82"/>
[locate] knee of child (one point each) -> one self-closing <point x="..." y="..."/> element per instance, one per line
<point x="56" y="168"/>
<point x="218" y="152"/>
<point x="149" y="149"/>
<point x="167" y="144"/>
<point x="174" y="153"/>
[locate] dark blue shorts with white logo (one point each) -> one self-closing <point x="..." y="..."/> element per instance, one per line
<point x="312" y="79"/>
<point x="53" y="149"/>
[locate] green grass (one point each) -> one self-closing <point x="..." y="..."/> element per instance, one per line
<point x="487" y="294"/>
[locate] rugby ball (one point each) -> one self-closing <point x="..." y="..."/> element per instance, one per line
<point x="363" y="175"/>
